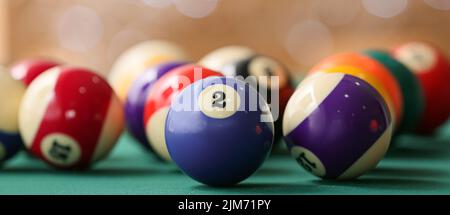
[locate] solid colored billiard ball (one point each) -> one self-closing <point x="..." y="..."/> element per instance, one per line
<point x="373" y="69"/>
<point x="11" y="92"/>
<point x="218" y="59"/>
<point x="27" y="70"/>
<point x="70" y="117"/>
<point x="260" y="69"/>
<point x="433" y="71"/>
<point x="137" y="59"/>
<point x="413" y="98"/>
<point x="219" y="131"/>
<point x="160" y="98"/>
<point x="337" y="126"/>
<point x="137" y="96"/>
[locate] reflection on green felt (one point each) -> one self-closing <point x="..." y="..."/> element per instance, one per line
<point x="416" y="165"/>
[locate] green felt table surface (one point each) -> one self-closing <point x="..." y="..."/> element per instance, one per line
<point x="416" y="165"/>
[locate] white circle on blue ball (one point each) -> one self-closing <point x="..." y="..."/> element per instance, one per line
<point x="219" y="101"/>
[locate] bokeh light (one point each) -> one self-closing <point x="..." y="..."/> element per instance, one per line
<point x="196" y="8"/>
<point x="94" y="33"/>
<point x="79" y="29"/>
<point x="308" y="42"/>
<point x="337" y="13"/>
<point x="438" y="4"/>
<point x="385" y="8"/>
<point x="122" y="41"/>
<point x="158" y="3"/>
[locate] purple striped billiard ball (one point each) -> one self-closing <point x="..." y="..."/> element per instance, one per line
<point x="337" y="126"/>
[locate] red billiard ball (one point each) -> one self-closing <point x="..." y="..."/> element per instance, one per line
<point x="433" y="71"/>
<point x="27" y="70"/>
<point x="159" y="100"/>
<point x="70" y="117"/>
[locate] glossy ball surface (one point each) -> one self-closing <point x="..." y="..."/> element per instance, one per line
<point x="258" y="71"/>
<point x="159" y="99"/>
<point x="214" y="135"/>
<point x="374" y="69"/>
<point x="413" y="97"/>
<point x="29" y="69"/>
<point x="137" y="96"/>
<point x="337" y="126"/>
<point x="373" y="81"/>
<point x="432" y="68"/>
<point x="218" y="59"/>
<point x="70" y="118"/>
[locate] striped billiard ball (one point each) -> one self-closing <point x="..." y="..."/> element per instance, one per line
<point x="371" y="69"/>
<point x="70" y="118"/>
<point x="413" y="97"/>
<point x="29" y="69"/>
<point x="337" y="126"/>
<point x="137" y="96"/>
<point x="432" y="68"/>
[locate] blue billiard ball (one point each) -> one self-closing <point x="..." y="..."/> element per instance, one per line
<point x="10" y="144"/>
<point x="11" y="93"/>
<point x="219" y="131"/>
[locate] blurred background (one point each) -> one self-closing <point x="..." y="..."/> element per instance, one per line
<point x="297" y="32"/>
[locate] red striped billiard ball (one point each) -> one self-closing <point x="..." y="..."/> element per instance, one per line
<point x="70" y="117"/>
<point x="160" y="98"/>
<point x="433" y="71"/>
<point x="29" y="69"/>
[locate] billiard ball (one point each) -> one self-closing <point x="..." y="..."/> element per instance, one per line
<point x="219" y="58"/>
<point x="374" y="69"/>
<point x="219" y="131"/>
<point x="432" y="68"/>
<point x="337" y="126"/>
<point x="137" y="59"/>
<point x="137" y="96"/>
<point x="257" y="71"/>
<point x="11" y="92"/>
<point x="159" y="100"/>
<point x="413" y="99"/>
<point x="27" y="70"/>
<point x="373" y="81"/>
<point x="70" y="117"/>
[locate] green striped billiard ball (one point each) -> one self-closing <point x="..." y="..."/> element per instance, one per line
<point x="413" y="98"/>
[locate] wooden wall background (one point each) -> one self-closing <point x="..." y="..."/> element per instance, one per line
<point x="93" y="33"/>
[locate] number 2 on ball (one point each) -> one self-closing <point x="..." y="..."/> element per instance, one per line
<point x="219" y="99"/>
